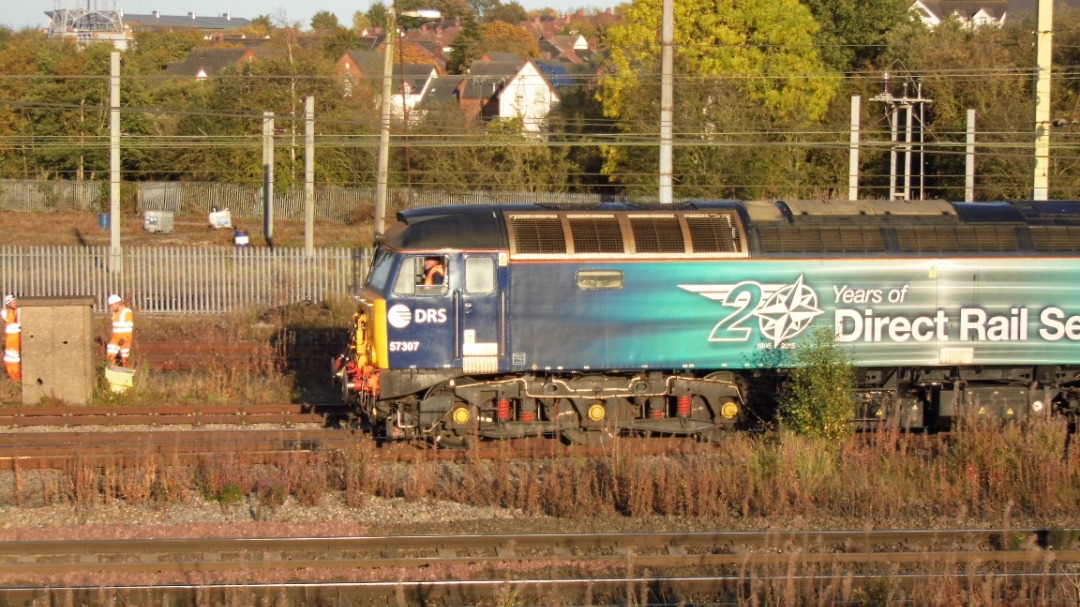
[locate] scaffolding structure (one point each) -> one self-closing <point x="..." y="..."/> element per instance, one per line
<point x="87" y="20"/>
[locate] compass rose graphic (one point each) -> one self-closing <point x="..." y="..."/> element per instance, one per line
<point x="787" y="312"/>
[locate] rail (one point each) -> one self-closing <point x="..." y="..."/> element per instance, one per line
<point x="421" y="567"/>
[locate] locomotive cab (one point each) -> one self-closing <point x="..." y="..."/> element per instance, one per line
<point x="426" y="317"/>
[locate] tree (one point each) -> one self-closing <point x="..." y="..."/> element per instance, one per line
<point x="68" y="113"/>
<point x="324" y="20"/>
<point x="360" y="21"/>
<point x="495" y="156"/>
<point x="453" y="9"/>
<point x="854" y="32"/>
<point x="153" y="51"/>
<point x="498" y="36"/>
<point x="481" y="8"/>
<point x="260" y="27"/>
<point x="378" y="15"/>
<point x="962" y="68"/>
<point x="335" y="45"/>
<point x="511" y="12"/>
<point x="465" y="48"/>
<point x="232" y="107"/>
<point x="748" y="72"/>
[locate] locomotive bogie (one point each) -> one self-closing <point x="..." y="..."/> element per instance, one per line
<point x="532" y="405"/>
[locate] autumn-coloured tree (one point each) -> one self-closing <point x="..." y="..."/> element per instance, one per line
<point x="744" y="69"/>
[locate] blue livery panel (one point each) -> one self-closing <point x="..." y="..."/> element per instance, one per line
<point x="735" y="314"/>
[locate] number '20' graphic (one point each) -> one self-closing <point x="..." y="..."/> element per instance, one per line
<point x="745" y="297"/>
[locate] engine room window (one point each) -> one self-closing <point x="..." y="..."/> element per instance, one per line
<point x="591" y="280"/>
<point x="479" y="275"/>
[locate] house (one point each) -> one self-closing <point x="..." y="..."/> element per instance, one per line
<point x="435" y="38"/>
<point x="971" y="13"/>
<point x="978" y="13"/>
<point x="568" y="48"/>
<point x="508" y="89"/>
<point x="409" y="81"/>
<point x="207" y="62"/>
<point x="360" y="68"/>
<point x="159" y="22"/>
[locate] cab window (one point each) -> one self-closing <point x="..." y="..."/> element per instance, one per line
<point x="423" y="275"/>
<point x="380" y="269"/>
<point x="479" y="275"/>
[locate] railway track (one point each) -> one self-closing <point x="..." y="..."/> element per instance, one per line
<point x="173" y="415"/>
<point x="67" y="449"/>
<point x="468" y="569"/>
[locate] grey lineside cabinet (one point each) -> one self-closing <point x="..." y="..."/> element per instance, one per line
<point x="57" y="352"/>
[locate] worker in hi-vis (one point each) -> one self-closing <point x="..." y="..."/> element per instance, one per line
<point x="118" y="349"/>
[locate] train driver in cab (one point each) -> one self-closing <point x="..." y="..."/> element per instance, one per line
<point x="434" y="271"/>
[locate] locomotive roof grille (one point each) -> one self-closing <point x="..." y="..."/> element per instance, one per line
<point x="657" y="233"/>
<point x="538" y="234"/>
<point x="825" y="239"/>
<point x="714" y="232"/>
<point x="617" y="234"/>
<point x="1056" y="239"/>
<point x="596" y="234"/>
<point x="956" y="239"/>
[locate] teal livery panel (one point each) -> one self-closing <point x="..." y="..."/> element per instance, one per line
<point x="747" y="314"/>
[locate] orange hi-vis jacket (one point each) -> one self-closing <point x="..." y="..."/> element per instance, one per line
<point x="429" y="276"/>
<point x="13" y="344"/>
<point x="123" y="330"/>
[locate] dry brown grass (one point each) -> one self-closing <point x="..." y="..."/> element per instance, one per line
<point x="984" y="475"/>
<point x="1022" y="471"/>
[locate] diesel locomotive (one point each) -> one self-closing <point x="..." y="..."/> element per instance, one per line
<point x="588" y="321"/>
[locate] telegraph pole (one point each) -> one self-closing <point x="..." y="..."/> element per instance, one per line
<point x="1043" y="61"/>
<point x="115" y="257"/>
<point x="667" y="103"/>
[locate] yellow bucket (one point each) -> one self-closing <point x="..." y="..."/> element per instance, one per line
<point x="119" y="378"/>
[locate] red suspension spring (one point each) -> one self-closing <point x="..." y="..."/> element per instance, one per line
<point x="656" y="410"/>
<point x="504" y="409"/>
<point x="682" y="406"/>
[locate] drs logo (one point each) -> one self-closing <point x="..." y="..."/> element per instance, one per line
<point x="429" y="315"/>
<point x="400" y="316"/>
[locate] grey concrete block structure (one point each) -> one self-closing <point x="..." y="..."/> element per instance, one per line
<point x="57" y="349"/>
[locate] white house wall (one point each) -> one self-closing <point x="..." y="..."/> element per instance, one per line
<point x="527" y="96"/>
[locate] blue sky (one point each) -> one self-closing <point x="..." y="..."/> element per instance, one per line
<point x="31" y="13"/>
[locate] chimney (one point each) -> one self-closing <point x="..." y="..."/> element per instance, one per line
<point x="157" y="14"/>
<point x="193" y="15"/>
<point x="227" y="16"/>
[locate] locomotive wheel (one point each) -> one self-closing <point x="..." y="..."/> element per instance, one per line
<point x="446" y="436"/>
<point x="576" y="409"/>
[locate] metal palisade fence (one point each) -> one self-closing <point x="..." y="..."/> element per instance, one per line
<point x="184" y="280"/>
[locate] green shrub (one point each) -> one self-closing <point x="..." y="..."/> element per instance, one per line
<point x="818" y="398"/>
